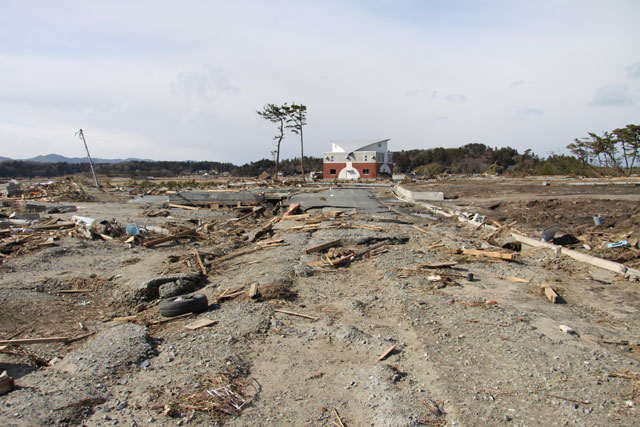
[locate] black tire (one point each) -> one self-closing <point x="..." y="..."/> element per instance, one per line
<point x="175" y="306"/>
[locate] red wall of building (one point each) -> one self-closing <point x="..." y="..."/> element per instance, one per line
<point x="327" y="168"/>
<point x="360" y="167"/>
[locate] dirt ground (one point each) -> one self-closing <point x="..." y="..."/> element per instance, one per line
<point x="397" y="336"/>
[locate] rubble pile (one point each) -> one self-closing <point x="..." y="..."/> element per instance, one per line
<point x="313" y="305"/>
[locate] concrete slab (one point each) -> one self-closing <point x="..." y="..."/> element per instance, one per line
<point x="419" y="195"/>
<point x="221" y="197"/>
<point x="359" y="199"/>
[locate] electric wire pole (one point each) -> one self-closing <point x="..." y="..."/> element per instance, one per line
<point x="93" y="171"/>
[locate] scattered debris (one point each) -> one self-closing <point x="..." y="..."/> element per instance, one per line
<point x="6" y="383"/>
<point x="490" y="254"/>
<point x="567" y="330"/>
<point x="386" y="353"/>
<point x="201" y="323"/>
<point x="323" y="246"/>
<point x="550" y="293"/>
<point x="291" y="313"/>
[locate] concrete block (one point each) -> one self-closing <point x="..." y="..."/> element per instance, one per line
<point x="419" y="195"/>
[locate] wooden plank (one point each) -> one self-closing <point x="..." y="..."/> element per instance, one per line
<point x="517" y="279"/>
<point x="269" y="242"/>
<point x="337" y="242"/>
<point x="490" y="254"/>
<point x="296" y="217"/>
<point x="168" y="319"/>
<point x="550" y="293"/>
<point x="79" y="338"/>
<point x="173" y="205"/>
<point x="422" y="230"/>
<point x="33" y="340"/>
<point x="188" y="233"/>
<point x="435" y="245"/>
<point x="202" y="269"/>
<point x="438" y="264"/>
<point x="253" y="290"/>
<point x="201" y="323"/>
<point x="56" y="226"/>
<point x="291" y="313"/>
<point x="387" y="353"/>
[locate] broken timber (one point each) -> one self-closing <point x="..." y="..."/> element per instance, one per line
<point x="491" y="254"/>
<point x="34" y="340"/>
<point x="323" y="246"/>
<point x="352" y="257"/>
<point x="202" y="269"/>
<point x="630" y="273"/>
<point x="552" y="296"/>
<point x="291" y="313"/>
<point x="188" y="233"/>
<point x="387" y="353"/>
<point x="173" y="205"/>
<point x="253" y="290"/>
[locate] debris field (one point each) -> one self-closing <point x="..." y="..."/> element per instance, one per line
<point x="511" y="301"/>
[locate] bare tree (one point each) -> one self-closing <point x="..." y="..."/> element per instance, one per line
<point x="296" y="120"/>
<point x="276" y="114"/>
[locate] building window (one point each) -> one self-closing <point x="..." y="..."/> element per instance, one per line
<point x="365" y="171"/>
<point x="379" y="144"/>
<point x="332" y="171"/>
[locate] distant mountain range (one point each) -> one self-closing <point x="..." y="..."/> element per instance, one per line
<point x="57" y="158"/>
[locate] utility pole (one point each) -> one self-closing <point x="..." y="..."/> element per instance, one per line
<point x="93" y="171"/>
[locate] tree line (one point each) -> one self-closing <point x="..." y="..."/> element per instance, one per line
<point x="617" y="150"/>
<point x="159" y="169"/>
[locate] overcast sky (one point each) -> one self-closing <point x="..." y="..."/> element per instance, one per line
<point x="182" y="80"/>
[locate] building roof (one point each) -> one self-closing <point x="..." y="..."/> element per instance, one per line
<point x="351" y="145"/>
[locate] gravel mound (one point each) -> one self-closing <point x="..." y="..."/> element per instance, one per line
<point x="109" y="351"/>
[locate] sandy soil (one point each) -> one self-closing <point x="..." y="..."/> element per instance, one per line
<point x="486" y="351"/>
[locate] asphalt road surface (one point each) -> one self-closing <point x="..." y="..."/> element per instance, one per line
<point x="360" y="199"/>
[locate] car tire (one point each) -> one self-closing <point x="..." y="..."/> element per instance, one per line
<point x="175" y="306"/>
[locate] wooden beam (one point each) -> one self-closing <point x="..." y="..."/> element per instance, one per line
<point x="491" y="254"/>
<point x="188" y="233"/>
<point x="202" y="269"/>
<point x="33" y="340"/>
<point x="201" y="323"/>
<point x="550" y="293"/>
<point x="387" y="353"/>
<point x="337" y="242"/>
<point x="422" y="230"/>
<point x="517" y="279"/>
<point x="173" y="205"/>
<point x="630" y="273"/>
<point x="56" y="226"/>
<point x="291" y="313"/>
<point x="253" y="290"/>
<point x="437" y="264"/>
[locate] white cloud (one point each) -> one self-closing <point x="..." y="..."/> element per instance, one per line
<point x="613" y="95"/>
<point x="633" y="71"/>
<point x="528" y="111"/>
<point x="455" y="97"/>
